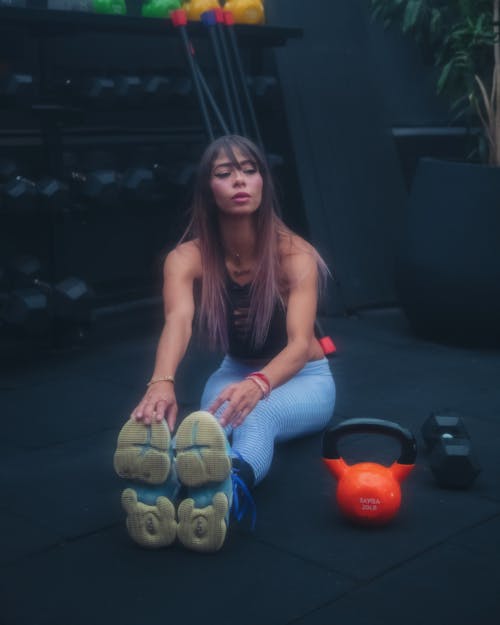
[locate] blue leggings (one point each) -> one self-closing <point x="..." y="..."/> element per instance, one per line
<point x="302" y="405"/>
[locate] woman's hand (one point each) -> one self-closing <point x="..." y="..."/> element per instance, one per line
<point x="241" y="398"/>
<point x="158" y="403"/>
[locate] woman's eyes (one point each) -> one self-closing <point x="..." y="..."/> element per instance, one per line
<point x="225" y="174"/>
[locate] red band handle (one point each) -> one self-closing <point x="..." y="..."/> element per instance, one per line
<point x="228" y="18"/>
<point x="178" y="17"/>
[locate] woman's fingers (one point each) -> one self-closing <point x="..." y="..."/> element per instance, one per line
<point x="153" y="408"/>
<point x="243" y="400"/>
<point x="171" y="416"/>
<point x="217" y="403"/>
<point x="159" y="411"/>
<point x="138" y="413"/>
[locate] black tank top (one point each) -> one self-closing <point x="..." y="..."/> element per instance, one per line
<point x="239" y="332"/>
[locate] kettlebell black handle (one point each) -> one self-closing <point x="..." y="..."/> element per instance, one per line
<point x="370" y="426"/>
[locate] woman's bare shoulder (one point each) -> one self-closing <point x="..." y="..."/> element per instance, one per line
<point x="291" y="244"/>
<point x="298" y="259"/>
<point x="185" y="258"/>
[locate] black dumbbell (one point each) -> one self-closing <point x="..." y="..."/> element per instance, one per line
<point x="181" y="89"/>
<point x="53" y="194"/>
<point x="28" y="310"/>
<point x="451" y="460"/>
<point x="26" y="305"/>
<point x="32" y="303"/>
<point x="137" y="184"/>
<point x="19" y="195"/>
<point x="157" y="89"/>
<point x="17" y="86"/>
<point x="100" y="186"/>
<point x="129" y="89"/>
<point x="23" y="271"/>
<point x="22" y="195"/>
<point x="263" y="86"/>
<point x="73" y="301"/>
<point x="98" y="89"/>
<point x="94" y="90"/>
<point x="8" y="169"/>
<point x="182" y="173"/>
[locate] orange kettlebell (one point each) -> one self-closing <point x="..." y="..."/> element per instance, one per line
<point x="369" y="493"/>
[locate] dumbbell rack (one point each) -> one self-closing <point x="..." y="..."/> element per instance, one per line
<point x="117" y="249"/>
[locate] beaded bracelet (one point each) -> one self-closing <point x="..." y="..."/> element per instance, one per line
<point x="165" y="378"/>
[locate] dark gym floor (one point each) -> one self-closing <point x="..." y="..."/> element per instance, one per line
<point x="66" y="559"/>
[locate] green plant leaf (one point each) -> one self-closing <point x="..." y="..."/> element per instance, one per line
<point x="443" y="76"/>
<point x="412" y="12"/>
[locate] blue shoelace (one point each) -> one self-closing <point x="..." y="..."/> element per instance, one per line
<point x="243" y="502"/>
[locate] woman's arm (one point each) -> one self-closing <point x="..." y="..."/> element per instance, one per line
<point x="181" y="268"/>
<point x="302" y="273"/>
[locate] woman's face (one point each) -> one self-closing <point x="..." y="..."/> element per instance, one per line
<point x="236" y="190"/>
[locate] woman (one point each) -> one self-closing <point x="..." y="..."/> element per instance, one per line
<point x="258" y="288"/>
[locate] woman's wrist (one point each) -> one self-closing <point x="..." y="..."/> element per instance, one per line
<point x="262" y="381"/>
<point x="161" y="378"/>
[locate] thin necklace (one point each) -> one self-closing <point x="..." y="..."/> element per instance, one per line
<point x="237" y="270"/>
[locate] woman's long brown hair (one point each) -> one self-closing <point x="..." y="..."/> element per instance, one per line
<point x="268" y="287"/>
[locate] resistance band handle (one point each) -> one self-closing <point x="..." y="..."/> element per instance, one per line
<point x="327" y="345"/>
<point x="370" y="426"/>
<point x="178" y="17"/>
<point x="212" y="17"/>
<point x="228" y="18"/>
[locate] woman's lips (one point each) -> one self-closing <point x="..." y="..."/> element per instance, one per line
<point x="240" y="197"/>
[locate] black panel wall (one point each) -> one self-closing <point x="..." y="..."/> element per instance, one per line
<point x="348" y="166"/>
<point x="362" y="110"/>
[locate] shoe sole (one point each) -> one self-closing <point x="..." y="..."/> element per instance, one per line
<point x="143" y="455"/>
<point x="202" y="459"/>
<point x="142" y="452"/>
<point x="153" y="526"/>
<point x="201" y="450"/>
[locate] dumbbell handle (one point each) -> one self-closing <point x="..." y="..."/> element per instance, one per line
<point x="78" y="176"/>
<point x="42" y="285"/>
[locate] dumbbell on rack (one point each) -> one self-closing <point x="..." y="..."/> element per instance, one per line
<point x="98" y="90"/>
<point x="103" y="187"/>
<point x="157" y="88"/>
<point x="263" y="87"/>
<point x="16" y="193"/>
<point x="17" y="87"/>
<point x="451" y="460"/>
<point x="31" y="305"/>
<point x="179" y="174"/>
<point x="21" y="194"/>
<point x="126" y="89"/>
<point x="100" y="186"/>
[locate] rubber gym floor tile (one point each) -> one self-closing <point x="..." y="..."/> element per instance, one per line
<point x="125" y="363"/>
<point x="483" y="538"/>
<point x="410" y="383"/>
<point x="105" y="578"/>
<point x="130" y="365"/>
<point x="447" y="585"/>
<point x="20" y="537"/>
<point x="70" y="488"/>
<point x="297" y="512"/>
<point x="62" y="411"/>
